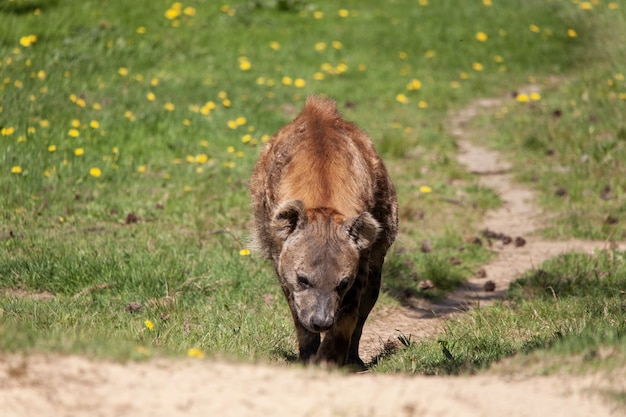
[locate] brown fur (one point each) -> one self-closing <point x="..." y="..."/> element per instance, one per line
<point x="325" y="213"/>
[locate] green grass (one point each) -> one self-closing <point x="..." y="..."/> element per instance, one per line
<point x="128" y="139"/>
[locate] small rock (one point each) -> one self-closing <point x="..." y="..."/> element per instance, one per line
<point x="133" y="306"/>
<point x="426" y="285"/>
<point x="519" y="242"/>
<point x="455" y="261"/>
<point x="561" y="192"/>
<point x="606" y="193"/>
<point x="481" y="273"/>
<point x="131" y="218"/>
<point x="489" y="286"/>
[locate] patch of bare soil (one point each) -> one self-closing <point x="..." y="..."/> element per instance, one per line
<point x="52" y="385"/>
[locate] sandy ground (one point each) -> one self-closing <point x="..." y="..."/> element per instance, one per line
<point x="73" y="386"/>
<point x="52" y="385"/>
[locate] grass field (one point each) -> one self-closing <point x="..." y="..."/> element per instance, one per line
<point x="129" y="132"/>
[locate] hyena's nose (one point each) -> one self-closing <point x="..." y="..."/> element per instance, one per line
<point x="322" y="322"/>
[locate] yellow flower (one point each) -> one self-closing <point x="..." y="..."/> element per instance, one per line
<point x="343" y="13"/>
<point x="425" y="189"/>
<point x="95" y="172"/>
<point x="535" y="96"/>
<point x="28" y="40"/>
<point x="423" y="3"/>
<point x="149" y="325"/>
<point x="585" y="5"/>
<point x="487" y="3"/>
<point x="41" y="74"/>
<point x="172" y="13"/>
<point x="202" y="158"/>
<point x="94" y="124"/>
<point x="75" y="123"/>
<point x="244" y="64"/>
<point x="318" y="76"/>
<point x="195" y="353"/>
<point x="141" y="30"/>
<point x="337" y="44"/>
<point x="534" y="28"/>
<point x="275" y="45"/>
<point x="477" y="66"/>
<point x="169" y="106"/>
<point x="422" y="104"/>
<point x="16" y="169"/>
<point x="151" y="96"/>
<point x="287" y="80"/>
<point x="430" y="54"/>
<point x="232" y="124"/>
<point x="244" y="252"/>
<point x="189" y="11"/>
<point x="320" y="46"/>
<point x="401" y="98"/>
<point x="6" y="131"/>
<point x="300" y="83"/>
<point x="142" y="169"/>
<point x="241" y="121"/>
<point x="123" y="71"/>
<point x="226" y="103"/>
<point x="341" y="68"/>
<point x="142" y="350"/>
<point x="571" y="33"/>
<point x="154" y="82"/>
<point x="52" y="148"/>
<point x="79" y="151"/>
<point x="73" y="133"/>
<point x="481" y="36"/>
<point x="613" y="5"/>
<point x="522" y="98"/>
<point x="318" y="15"/>
<point x="414" y="85"/>
<point x="130" y="115"/>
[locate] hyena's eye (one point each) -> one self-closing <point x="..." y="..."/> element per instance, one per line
<point x="343" y="285"/>
<point x="304" y="282"/>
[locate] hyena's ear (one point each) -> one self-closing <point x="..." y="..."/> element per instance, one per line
<point x="363" y="230"/>
<point x="287" y="217"/>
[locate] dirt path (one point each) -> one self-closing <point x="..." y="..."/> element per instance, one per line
<point x="52" y="385"/>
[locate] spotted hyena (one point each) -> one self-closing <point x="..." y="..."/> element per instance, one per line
<point x="325" y="213"/>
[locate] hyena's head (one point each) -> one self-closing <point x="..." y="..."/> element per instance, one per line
<point x="319" y="259"/>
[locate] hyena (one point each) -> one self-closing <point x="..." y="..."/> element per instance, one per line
<point x="325" y="213"/>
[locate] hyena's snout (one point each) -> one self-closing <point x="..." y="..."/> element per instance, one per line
<point x="321" y="321"/>
<point x="321" y="314"/>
